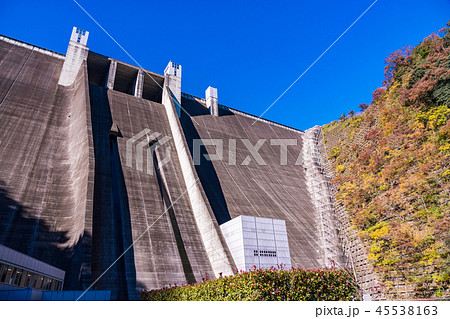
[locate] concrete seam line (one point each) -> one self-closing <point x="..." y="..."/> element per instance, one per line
<point x="126" y="52"/>
<point x="16" y="77"/>
<point x="315" y="61"/>
<point x="134" y="242"/>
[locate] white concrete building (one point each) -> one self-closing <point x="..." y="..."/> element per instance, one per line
<point x="256" y="241"/>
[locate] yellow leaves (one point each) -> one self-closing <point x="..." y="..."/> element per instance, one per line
<point x="388" y="128"/>
<point x="405" y="79"/>
<point x="374" y="248"/>
<point x="446" y="174"/>
<point x="340" y="169"/>
<point x="434" y="117"/>
<point x="392" y="93"/>
<point x="418" y="126"/>
<point x="368" y="178"/>
<point x="374" y="257"/>
<point x="329" y="127"/>
<point x="445" y="148"/>
<point x="399" y="175"/>
<point x="334" y="153"/>
<point x="355" y="121"/>
<point x="437" y="277"/>
<point x="379" y="230"/>
<point x="387" y="262"/>
<point x="347" y="187"/>
<point x="438" y="116"/>
<point x="430" y="255"/>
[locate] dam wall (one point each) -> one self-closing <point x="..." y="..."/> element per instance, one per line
<point x="114" y="179"/>
<point x="44" y="156"/>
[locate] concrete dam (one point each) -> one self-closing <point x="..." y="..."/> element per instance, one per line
<point x="113" y="174"/>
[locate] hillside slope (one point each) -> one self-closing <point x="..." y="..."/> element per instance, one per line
<point x="392" y="170"/>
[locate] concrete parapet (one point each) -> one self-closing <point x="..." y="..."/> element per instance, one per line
<point x="32" y="47"/>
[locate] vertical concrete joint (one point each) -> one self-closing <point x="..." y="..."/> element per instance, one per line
<point x="172" y="74"/>
<point x="139" y="84"/>
<point x="77" y="52"/>
<point x="111" y="74"/>
<point x="211" y="100"/>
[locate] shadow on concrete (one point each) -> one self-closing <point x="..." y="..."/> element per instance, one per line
<point x="206" y="171"/>
<point x="21" y="231"/>
<point x="112" y="233"/>
<point x="186" y="264"/>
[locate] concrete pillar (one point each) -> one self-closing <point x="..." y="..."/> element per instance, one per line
<point x="212" y="237"/>
<point x="172" y="80"/>
<point x="77" y="52"/>
<point x="139" y="84"/>
<point x="211" y="100"/>
<point x="111" y="74"/>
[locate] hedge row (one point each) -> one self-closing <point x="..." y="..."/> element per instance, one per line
<point x="265" y="284"/>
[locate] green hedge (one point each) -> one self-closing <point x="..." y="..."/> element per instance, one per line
<point x="266" y="284"/>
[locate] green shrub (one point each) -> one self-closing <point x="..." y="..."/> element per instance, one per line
<point x="265" y="284"/>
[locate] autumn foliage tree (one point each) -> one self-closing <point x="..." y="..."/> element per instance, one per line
<point x="395" y="180"/>
<point x="363" y="106"/>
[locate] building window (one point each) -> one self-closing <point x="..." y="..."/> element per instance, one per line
<point x="267" y="253"/>
<point x="34" y="281"/>
<point x="47" y="283"/>
<point x="18" y="277"/>
<point x="3" y="273"/>
<point x="28" y="279"/>
<point x="40" y="282"/>
<point x="11" y="272"/>
<point x="81" y="31"/>
<point x="37" y="281"/>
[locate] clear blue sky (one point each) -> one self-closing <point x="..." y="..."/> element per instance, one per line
<point x="250" y="50"/>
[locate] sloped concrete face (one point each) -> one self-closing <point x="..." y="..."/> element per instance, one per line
<point x="44" y="156"/>
<point x="102" y="181"/>
<point x="271" y="189"/>
<point x="67" y="195"/>
<point x="65" y="182"/>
